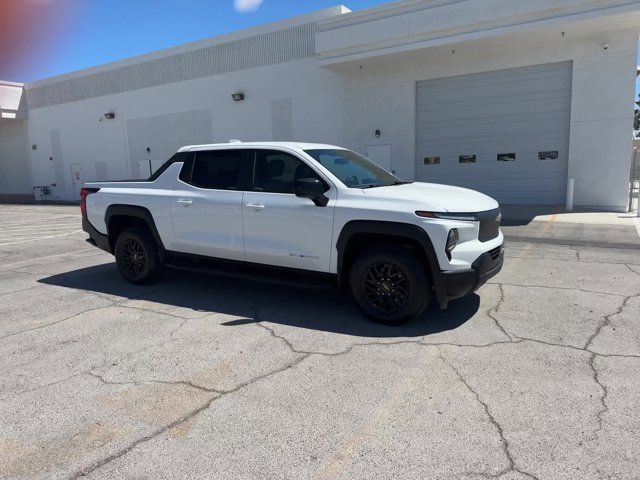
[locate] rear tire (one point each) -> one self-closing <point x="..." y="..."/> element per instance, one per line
<point x="137" y="256"/>
<point x="390" y="284"/>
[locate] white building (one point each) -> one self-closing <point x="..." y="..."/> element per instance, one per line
<point x="509" y="97"/>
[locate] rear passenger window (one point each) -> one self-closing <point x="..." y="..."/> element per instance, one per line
<point x="276" y="171"/>
<point x="219" y="169"/>
<point x="178" y="157"/>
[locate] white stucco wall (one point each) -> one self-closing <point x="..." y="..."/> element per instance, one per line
<point x="601" y="138"/>
<point x="317" y="97"/>
<point x="15" y="176"/>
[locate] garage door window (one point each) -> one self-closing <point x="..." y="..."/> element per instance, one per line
<point x="467" y="159"/>
<point x="506" y="157"/>
<point x="549" y="155"/>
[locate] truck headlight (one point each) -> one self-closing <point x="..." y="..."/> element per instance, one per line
<point x="452" y="240"/>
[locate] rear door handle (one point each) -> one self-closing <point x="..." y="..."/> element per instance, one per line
<point x="255" y="206"/>
<point x="185" y="203"/>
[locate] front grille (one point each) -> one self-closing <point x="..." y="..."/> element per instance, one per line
<point x="495" y="253"/>
<point x="489" y="224"/>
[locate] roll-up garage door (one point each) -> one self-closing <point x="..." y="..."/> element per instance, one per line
<point x="504" y="133"/>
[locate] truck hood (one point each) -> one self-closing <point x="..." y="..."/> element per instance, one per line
<point x="451" y="199"/>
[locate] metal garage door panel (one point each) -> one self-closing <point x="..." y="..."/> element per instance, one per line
<point x="523" y="111"/>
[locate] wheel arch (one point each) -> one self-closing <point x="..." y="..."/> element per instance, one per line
<point x="119" y="217"/>
<point x="360" y="234"/>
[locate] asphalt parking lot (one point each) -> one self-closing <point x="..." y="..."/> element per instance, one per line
<point x="535" y="377"/>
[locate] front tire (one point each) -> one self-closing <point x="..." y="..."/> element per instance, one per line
<point x="137" y="256"/>
<point x="390" y="285"/>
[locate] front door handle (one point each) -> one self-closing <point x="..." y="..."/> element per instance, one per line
<point x="185" y="203"/>
<point x="255" y="206"/>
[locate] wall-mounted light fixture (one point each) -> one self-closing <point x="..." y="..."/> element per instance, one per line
<point x="237" y="97"/>
<point x="377" y="134"/>
<point x="109" y="115"/>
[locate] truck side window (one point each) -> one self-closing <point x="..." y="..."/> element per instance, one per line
<point x="276" y="171"/>
<point x="178" y="157"/>
<point x="219" y="169"/>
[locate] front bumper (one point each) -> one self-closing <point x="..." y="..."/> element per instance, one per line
<point x="458" y="283"/>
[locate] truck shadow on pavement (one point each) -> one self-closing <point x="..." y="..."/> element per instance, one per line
<point x="182" y="293"/>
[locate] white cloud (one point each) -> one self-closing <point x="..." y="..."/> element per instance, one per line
<point x="244" y="6"/>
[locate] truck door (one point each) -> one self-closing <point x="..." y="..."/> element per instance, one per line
<point x="279" y="228"/>
<point x="206" y="208"/>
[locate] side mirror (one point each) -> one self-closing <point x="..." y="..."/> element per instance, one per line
<point x="311" y="188"/>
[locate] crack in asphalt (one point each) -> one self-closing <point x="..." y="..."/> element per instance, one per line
<point x="556" y="288"/>
<point x="40" y="387"/>
<point x="577" y="250"/>
<point x="607" y="320"/>
<point x="218" y="394"/>
<point x="113" y="303"/>
<point x="506" y="448"/>
<point x="185" y="383"/>
<point x="40" y="327"/>
<point x="603" y="398"/>
<point x="566" y="260"/>
<point x="492" y="311"/>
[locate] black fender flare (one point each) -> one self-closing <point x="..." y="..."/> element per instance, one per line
<point x="134" y="211"/>
<point x="396" y="229"/>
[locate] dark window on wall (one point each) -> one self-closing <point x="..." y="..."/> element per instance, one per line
<point x="275" y="171"/>
<point x="506" y="157"/>
<point x="548" y="155"/>
<point x="432" y="160"/>
<point x="220" y="169"/>
<point x="467" y="159"/>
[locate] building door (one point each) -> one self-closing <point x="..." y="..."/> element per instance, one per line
<point x="155" y="164"/>
<point x="381" y="155"/>
<point x="504" y="133"/>
<point x="76" y="179"/>
<point x="144" y="169"/>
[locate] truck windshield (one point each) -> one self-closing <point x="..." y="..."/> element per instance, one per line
<point x="354" y="170"/>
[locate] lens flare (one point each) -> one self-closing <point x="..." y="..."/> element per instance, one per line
<point x="28" y="30"/>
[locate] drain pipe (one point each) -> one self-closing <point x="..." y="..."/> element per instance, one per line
<point x="569" y="205"/>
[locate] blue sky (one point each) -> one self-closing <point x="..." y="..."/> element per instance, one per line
<point x="99" y="31"/>
<point x="75" y="34"/>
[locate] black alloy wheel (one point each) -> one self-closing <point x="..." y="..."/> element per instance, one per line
<point x="137" y="256"/>
<point x="134" y="257"/>
<point x="386" y="287"/>
<point x="390" y="284"/>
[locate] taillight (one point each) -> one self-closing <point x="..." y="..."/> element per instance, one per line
<point x="83" y="199"/>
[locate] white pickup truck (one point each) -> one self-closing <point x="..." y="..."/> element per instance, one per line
<point x="280" y="210"/>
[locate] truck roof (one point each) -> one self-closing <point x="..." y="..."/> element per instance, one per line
<point x="238" y="144"/>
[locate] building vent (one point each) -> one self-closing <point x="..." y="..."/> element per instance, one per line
<point x="271" y="48"/>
